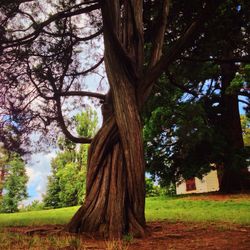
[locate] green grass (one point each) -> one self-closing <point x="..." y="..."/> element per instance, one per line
<point x="34" y="218"/>
<point x="157" y="208"/>
<point x="179" y="209"/>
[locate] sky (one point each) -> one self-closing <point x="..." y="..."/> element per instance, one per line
<point x="38" y="169"/>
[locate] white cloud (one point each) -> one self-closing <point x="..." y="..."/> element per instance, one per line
<point x="38" y="169"/>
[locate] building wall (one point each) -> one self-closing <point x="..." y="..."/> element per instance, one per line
<point x="212" y="181"/>
<point x="208" y="183"/>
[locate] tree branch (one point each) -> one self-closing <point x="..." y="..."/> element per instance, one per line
<point x="244" y="59"/>
<point x="88" y="70"/>
<point x="245" y="93"/>
<point x="182" y="87"/>
<point x="243" y="101"/>
<point x="63" y="126"/>
<point x="176" y="49"/>
<point x="36" y="86"/>
<point x="6" y="2"/>
<point x="159" y="38"/>
<point x="83" y="93"/>
<point x="78" y="39"/>
<point x="39" y="27"/>
<point x="111" y="37"/>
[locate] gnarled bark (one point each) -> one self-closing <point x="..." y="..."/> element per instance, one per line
<point x="115" y="198"/>
<point x="112" y="207"/>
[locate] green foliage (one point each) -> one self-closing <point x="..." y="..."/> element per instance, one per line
<point x="14" y="184"/>
<point x="184" y="128"/>
<point x="241" y="81"/>
<point x="36" y="205"/>
<point x="178" y="139"/>
<point x="66" y="185"/>
<point x="245" y="124"/>
<point x="151" y="188"/>
<point x="87" y="123"/>
<point x="72" y="184"/>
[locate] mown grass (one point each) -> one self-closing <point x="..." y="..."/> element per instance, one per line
<point x="37" y="218"/>
<point x="180" y="209"/>
<point x="157" y="208"/>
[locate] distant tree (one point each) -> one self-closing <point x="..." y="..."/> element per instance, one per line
<point x="36" y="205"/>
<point x="179" y="143"/>
<point x="15" y="189"/>
<point x="151" y="188"/>
<point x="245" y="123"/>
<point x="3" y="168"/>
<point x="66" y="184"/>
<point x="51" y="197"/>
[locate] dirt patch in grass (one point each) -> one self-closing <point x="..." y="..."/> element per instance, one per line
<point x="162" y="235"/>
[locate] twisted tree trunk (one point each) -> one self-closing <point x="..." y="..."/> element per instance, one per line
<point x="115" y="198"/>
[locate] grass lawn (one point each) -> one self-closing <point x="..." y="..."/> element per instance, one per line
<point x="181" y="209"/>
<point x="157" y="208"/>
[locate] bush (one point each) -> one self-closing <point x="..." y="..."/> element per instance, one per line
<point x="36" y="205"/>
<point x="152" y="189"/>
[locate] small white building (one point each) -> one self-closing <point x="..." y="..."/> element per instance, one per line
<point x="209" y="183"/>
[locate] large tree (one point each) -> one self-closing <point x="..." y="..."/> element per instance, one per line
<point x="205" y="123"/>
<point x="41" y="67"/>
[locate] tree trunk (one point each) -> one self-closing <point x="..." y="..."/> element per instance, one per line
<point x="2" y="174"/>
<point x="115" y="194"/>
<point x="115" y="198"/>
<point x="232" y="176"/>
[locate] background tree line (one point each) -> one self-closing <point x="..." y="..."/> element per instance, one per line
<point x="13" y="181"/>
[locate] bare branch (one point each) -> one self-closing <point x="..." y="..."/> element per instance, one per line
<point x="243" y="101"/>
<point x="63" y="126"/>
<point x="88" y="70"/>
<point x="159" y="38"/>
<point x="39" y="28"/>
<point x="14" y="1"/>
<point x="83" y="93"/>
<point x="78" y="39"/>
<point x="36" y="86"/>
<point x="244" y="93"/>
